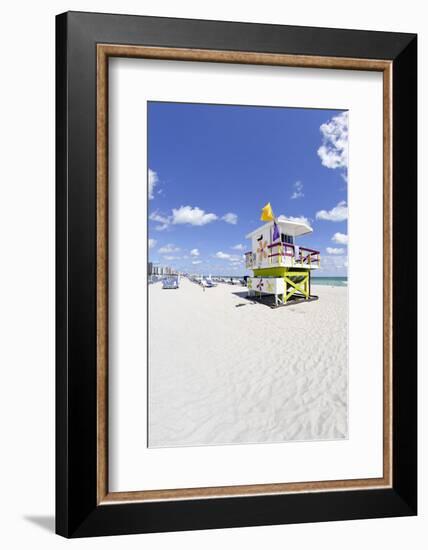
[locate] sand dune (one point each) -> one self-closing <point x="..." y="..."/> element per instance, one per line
<point x="223" y="370"/>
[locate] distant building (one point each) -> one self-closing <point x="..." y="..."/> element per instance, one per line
<point x="160" y="269"/>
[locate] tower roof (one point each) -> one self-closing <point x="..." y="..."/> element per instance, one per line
<point x="287" y="226"/>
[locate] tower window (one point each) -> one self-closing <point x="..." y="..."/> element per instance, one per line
<point x="286" y="238"/>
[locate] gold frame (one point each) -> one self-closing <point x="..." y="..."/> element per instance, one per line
<point x="104" y="52"/>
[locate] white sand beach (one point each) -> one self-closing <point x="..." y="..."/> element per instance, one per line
<point x="224" y="370"/>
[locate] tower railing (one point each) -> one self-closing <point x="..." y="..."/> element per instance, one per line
<point x="308" y="256"/>
<point x="299" y="256"/>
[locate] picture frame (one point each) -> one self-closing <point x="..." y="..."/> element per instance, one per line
<point x="84" y="44"/>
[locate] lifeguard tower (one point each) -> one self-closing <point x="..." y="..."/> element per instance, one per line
<point x="280" y="266"/>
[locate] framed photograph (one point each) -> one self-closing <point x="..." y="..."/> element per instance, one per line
<point x="236" y="274"/>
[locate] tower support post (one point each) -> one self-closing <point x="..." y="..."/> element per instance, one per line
<point x="296" y="281"/>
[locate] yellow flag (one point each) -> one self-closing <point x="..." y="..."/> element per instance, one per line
<point x="267" y="214"/>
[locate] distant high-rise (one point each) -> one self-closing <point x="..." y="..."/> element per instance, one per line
<point x="160" y="269"/>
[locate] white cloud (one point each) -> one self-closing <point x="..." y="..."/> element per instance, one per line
<point x="163" y="220"/>
<point x="172" y="257"/>
<point x="337" y="214"/>
<point x="192" y="216"/>
<point x="156" y="217"/>
<point x="333" y="264"/>
<point x="340" y="238"/>
<point x="238" y="247"/>
<point x="232" y="258"/>
<point x="335" y="251"/>
<point x="222" y="255"/>
<point x="298" y="190"/>
<point x="168" y="249"/>
<point x="194" y="252"/>
<point x="230" y="217"/>
<point x="300" y="219"/>
<point x="152" y="243"/>
<point x="153" y="181"/>
<point x="196" y="262"/>
<point x="334" y="149"/>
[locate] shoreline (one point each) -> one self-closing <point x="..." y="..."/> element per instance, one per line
<point x="339" y="282"/>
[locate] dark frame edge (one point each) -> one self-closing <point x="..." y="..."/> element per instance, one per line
<point x="75" y="270"/>
<point x="61" y="266"/>
<point x="404" y="175"/>
<point x="254" y="511"/>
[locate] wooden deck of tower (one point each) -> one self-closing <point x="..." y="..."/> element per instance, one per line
<point x="281" y="268"/>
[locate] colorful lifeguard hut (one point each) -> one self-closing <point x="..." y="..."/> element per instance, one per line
<point x="281" y="267"/>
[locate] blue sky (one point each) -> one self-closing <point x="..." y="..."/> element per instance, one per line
<point x="212" y="168"/>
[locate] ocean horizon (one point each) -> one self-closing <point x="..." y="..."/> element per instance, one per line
<point x="330" y="281"/>
<point x="326" y="281"/>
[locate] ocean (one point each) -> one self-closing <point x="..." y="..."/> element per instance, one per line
<point x="330" y="281"/>
<point x="325" y="281"/>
